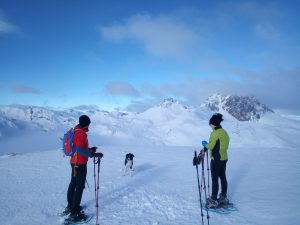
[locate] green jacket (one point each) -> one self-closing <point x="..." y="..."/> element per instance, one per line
<point x="218" y="144"/>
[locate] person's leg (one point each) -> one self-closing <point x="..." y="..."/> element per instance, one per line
<point x="222" y="176"/>
<point x="71" y="188"/>
<point x="81" y="171"/>
<point x="214" y="166"/>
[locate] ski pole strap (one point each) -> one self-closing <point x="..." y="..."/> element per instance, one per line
<point x="87" y="183"/>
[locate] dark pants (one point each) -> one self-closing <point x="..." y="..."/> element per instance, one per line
<point x="76" y="187"/>
<point x="218" y="170"/>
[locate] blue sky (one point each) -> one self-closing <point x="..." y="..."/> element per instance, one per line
<point x="129" y="55"/>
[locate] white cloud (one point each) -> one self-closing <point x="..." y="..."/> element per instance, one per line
<point x="141" y="105"/>
<point x="254" y="11"/>
<point x="5" y="26"/>
<point x="19" y="88"/>
<point x="160" y="36"/>
<point x="276" y="88"/>
<point x="254" y="52"/>
<point x="121" y="88"/>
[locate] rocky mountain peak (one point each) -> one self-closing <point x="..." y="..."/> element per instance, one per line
<point x="171" y="102"/>
<point x="168" y="102"/>
<point x="243" y="108"/>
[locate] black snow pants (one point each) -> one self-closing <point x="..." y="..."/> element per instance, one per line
<point x="76" y="187"/>
<point x="218" y="170"/>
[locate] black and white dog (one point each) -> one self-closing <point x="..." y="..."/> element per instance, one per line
<point x="128" y="163"/>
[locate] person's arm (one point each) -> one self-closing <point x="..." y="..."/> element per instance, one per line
<point x="81" y="144"/>
<point x="212" y="141"/>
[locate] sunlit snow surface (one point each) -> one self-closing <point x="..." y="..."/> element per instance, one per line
<point x="263" y="170"/>
<point x="263" y="183"/>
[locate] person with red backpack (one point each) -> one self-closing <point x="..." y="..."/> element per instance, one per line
<point x="79" y="168"/>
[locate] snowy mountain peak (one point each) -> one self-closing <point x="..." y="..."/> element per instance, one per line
<point x="171" y="102"/>
<point x="243" y="108"/>
<point x="167" y="102"/>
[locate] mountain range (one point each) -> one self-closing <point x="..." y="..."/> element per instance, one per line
<point x="168" y="123"/>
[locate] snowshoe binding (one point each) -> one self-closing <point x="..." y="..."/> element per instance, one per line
<point x="68" y="210"/>
<point x="223" y="200"/>
<point x="211" y="203"/>
<point x="77" y="218"/>
<point x="220" y="206"/>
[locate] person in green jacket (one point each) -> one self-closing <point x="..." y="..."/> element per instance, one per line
<point x="217" y="146"/>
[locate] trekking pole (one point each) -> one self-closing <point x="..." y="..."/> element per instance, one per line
<point x="196" y="164"/>
<point x="97" y="195"/>
<point x="208" y="187"/>
<point x="203" y="180"/>
<point x="95" y="178"/>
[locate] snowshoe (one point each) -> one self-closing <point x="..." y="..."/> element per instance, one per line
<point x="68" y="210"/>
<point x="223" y="208"/>
<point x="78" y="218"/>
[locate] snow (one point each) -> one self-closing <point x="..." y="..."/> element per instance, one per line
<point x="263" y="184"/>
<point x="169" y="123"/>
<point x="263" y="169"/>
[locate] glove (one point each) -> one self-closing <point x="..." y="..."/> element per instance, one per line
<point x="97" y="154"/>
<point x="204" y="143"/>
<point x="93" y="149"/>
<point x="196" y="161"/>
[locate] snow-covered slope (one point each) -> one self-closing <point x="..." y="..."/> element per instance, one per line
<point x="262" y="182"/>
<point x="170" y="123"/>
<point x="262" y="171"/>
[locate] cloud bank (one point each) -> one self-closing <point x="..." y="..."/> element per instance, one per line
<point x="277" y="89"/>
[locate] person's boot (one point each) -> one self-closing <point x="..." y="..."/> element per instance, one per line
<point x="223" y="200"/>
<point x="80" y="216"/>
<point x="67" y="210"/>
<point x="211" y="203"/>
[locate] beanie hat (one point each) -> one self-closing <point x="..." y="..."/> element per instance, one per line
<point x="216" y="119"/>
<point x="84" y="121"/>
